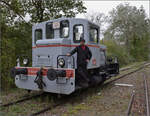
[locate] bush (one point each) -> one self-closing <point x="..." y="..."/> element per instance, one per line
<point x="113" y="49"/>
<point x="140" y="48"/>
<point x="15" y="41"/>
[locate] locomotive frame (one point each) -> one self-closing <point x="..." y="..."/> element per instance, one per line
<point x="53" y="71"/>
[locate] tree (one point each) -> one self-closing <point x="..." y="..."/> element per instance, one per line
<point x="11" y="10"/>
<point x="16" y="32"/>
<point x="126" y="23"/>
<point x="41" y="10"/>
<point x="98" y="18"/>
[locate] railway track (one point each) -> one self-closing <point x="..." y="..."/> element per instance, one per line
<point x="130" y="103"/>
<point x="146" y="92"/>
<point x="61" y="103"/>
<point x="34" y="96"/>
<point x="129" y="73"/>
<point x="21" y="100"/>
<point x="133" y="93"/>
<point x="50" y="107"/>
<point x="132" y="66"/>
<point x="146" y="96"/>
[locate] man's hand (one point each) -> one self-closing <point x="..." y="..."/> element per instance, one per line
<point x="88" y="60"/>
<point x="68" y="54"/>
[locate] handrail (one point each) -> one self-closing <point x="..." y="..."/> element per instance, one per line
<point x="66" y="56"/>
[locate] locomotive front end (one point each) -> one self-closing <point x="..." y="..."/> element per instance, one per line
<point x="51" y="71"/>
<point x="54" y="80"/>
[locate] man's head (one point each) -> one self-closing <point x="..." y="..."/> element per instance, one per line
<point x="82" y="41"/>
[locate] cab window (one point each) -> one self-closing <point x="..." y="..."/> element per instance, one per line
<point x="49" y="30"/>
<point x="93" y="35"/>
<point x="64" y="29"/>
<point x="78" y="32"/>
<point x="38" y="34"/>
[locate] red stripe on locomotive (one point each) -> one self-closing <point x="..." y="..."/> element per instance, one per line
<point x="63" y="45"/>
<point x="33" y="71"/>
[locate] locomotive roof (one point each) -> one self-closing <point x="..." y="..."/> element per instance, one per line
<point x="71" y="19"/>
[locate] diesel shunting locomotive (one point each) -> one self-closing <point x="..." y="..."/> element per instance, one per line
<point x="53" y="71"/>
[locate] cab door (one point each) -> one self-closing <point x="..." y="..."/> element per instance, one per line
<point x="94" y="46"/>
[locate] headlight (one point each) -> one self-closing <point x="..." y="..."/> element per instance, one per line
<point x="25" y="61"/>
<point x="61" y="62"/>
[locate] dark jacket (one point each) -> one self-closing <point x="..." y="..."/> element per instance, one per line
<point x="82" y="55"/>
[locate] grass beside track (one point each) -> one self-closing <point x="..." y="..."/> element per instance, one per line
<point x="80" y="102"/>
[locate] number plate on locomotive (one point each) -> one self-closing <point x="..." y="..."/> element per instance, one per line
<point x="61" y="80"/>
<point x="23" y="77"/>
<point x="56" y="25"/>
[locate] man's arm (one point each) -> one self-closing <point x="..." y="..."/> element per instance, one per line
<point x="72" y="52"/>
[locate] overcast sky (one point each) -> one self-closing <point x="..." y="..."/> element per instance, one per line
<point x="107" y="5"/>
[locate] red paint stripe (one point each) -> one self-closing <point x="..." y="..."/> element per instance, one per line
<point x="69" y="73"/>
<point x="93" y="46"/>
<point x="32" y="71"/>
<point x="63" y="45"/>
<point x="34" y="47"/>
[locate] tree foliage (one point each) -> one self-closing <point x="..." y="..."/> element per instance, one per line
<point x="130" y="25"/>
<point x="115" y="50"/>
<point x="16" y="31"/>
<point x="41" y="10"/>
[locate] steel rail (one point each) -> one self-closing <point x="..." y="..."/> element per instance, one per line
<point x="58" y="104"/>
<point x="46" y="109"/>
<point x="124" y="75"/>
<point x="130" y="103"/>
<point x="127" y="68"/>
<point x="147" y="96"/>
<point x="21" y="100"/>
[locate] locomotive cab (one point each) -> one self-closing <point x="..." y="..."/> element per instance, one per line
<point x="58" y="37"/>
<point x="53" y="71"/>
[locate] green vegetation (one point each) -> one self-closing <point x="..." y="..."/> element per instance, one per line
<point x="16" y="32"/>
<point x="16" y="40"/>
<point x="128" y="35"/>
<point x="72" y="110"/>
<point x="115" y="50"/>
<point x="127" y="25"/>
